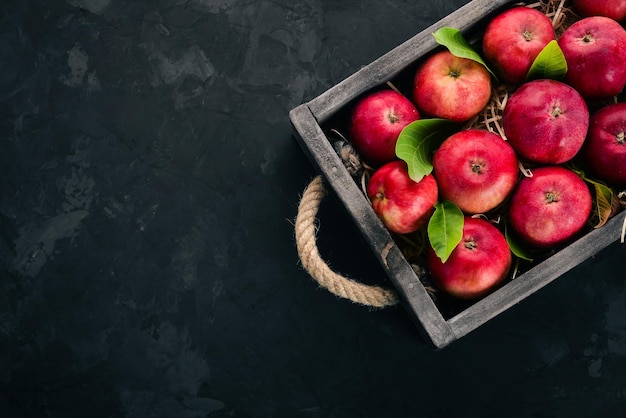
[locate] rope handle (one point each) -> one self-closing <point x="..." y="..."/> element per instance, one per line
<point x="316" y="267"/>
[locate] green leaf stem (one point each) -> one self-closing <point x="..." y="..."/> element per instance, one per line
<point x="418" y="140"/>
<point x="445" y="229"/>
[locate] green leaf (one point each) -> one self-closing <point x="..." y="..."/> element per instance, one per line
<point x="516" y="245"/>
<point x="418" y="140"/>
<point x="459" y="46"/>
<point x="445" y="229"/>
<point x="550" y="63"/>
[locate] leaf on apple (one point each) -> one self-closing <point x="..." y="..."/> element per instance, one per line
<point x="418" y="140"/>
<point x="445" y="229"/>
<point x="550" y="63"/>
<point x="516" y="245"/>
<point x="456" y="43"/>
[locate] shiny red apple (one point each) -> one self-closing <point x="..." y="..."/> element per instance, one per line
<point x="615" y="9"/>
<point x="513" y="39"/>
<point x="477" y="265"/>
<point x="475" y="169"/>
<point x="403" y="205"/>
<point x="376" y="121"/>
<point x="546" y="121"/>
<point x="450" y="87"/>
<point x="550" y="207"/>
<point x="595" y="51"/>
<point x="605" y="148"/>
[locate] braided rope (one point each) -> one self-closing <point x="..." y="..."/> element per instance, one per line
<point x="305" y="231"/>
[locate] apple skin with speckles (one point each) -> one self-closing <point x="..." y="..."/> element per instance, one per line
<point x="475" y="169"/>
<point x="550" y="207"/>
<point x="595" y="52"/>
<point x="614" y="9"/>
<point x="513" y="39"/>
<point x="546" y="121"/>
<point x="402" y="204"/>
<point x="449" y="87"/>
<point x="477" y="265"/>
<point x="605" y="148"/>
<point x="376" y="122"/>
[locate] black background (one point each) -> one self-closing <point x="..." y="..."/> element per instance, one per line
<point x="150" y="180"/>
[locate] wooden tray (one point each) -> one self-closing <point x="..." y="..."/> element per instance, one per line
<point x="309" y="121"/>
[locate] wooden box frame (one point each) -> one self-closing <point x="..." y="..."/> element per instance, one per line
<point x="307" y="120"/>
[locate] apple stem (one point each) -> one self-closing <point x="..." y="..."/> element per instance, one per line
<point x="393" y="118"/>
<point x="528" y="36"/>
<point x="470" y="245"/>
<point x="551" y="197"/>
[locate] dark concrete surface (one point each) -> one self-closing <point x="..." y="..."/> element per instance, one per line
<point x="149" y="180"/>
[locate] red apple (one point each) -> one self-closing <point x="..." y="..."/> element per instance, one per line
<point x="450" y="87"/>
<point x="475" y="169"/>
<point x="595" y="51"/>
<point x="546" y="121"/>
<point x="377" y="120"/>
<point x="513" y="39"/>
<point x="479" y="263"/>
<point x="605" y="147"/>
<point x="403" y="205"/>
<point x="615" y="9"/>
<point x="550" y="207"/>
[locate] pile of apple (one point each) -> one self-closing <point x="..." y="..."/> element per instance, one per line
<point x="533" y="177"/>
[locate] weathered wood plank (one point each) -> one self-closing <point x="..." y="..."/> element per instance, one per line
<point x="415" y="298"/>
